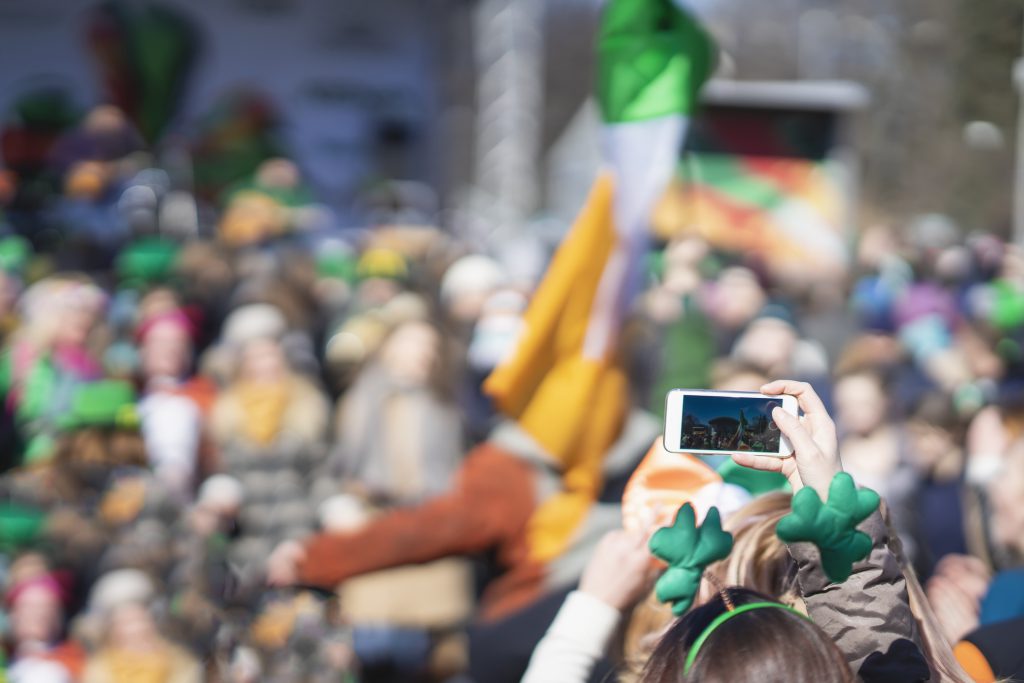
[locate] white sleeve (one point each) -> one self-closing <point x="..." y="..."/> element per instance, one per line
<point x="575" y="641"/>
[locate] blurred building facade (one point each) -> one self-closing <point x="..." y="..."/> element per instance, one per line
<point x="484" y="100"/>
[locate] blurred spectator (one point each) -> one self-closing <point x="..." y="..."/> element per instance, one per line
<point x="131" y="648"/>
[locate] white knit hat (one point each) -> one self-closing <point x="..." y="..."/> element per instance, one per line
<point x="121" y="587"/>
<point x="222" y="490"/>
<point x="474" y="273"/>
<point x="254" y="321"/>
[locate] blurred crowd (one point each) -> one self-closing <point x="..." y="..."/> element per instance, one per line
<point x="192" y="380"/>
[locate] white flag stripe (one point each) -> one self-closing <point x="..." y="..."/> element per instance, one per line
<point x="642" y="156"/>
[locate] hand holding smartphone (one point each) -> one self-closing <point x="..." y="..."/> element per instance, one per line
<point x="810" y="438"/>
<point x="721" y="422"/>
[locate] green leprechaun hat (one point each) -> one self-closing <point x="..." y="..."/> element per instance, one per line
<point x="147" y="261"/>
<point x="20" y="526"/>
<point x="107" y="403"/>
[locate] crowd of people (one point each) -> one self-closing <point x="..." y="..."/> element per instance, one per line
<point x="242" y="443"/>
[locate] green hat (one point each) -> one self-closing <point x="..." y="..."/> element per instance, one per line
<point x="15" y="252"/>
<point x="20" y="526"/>
<point x="147" y="261"/>
<point x="1007" y="305"/>
<point x="107" y="403"/>
<point x="336" y="263"/>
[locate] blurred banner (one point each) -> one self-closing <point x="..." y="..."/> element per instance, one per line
<point x="767" y="178"/>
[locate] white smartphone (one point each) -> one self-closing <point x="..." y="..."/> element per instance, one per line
<point x="718" y="422"/>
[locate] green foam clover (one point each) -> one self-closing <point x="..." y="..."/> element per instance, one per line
<point x="832" y="526"/>
<point x="688" y="550"/>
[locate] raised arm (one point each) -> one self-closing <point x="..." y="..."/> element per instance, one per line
<point x="868" y="615"/>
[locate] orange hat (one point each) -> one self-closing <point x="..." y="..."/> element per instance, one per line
<point x="664" y="481"/>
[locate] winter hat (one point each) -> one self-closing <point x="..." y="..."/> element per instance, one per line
<point x="356" y="339"/>
<point x="926" y="299"/>
<point x="47" y="582"/>
<point x="121" y="587"/>
<point x="61" y="293"/>
<point x="147" y="261"/>
<point x="336" y="260"/>
<point x="379" y="262"/>
<point x="474" y="274"/>
<point x="254" y="321"/>
<point x="174" y="316"/>
<point x="20" y="526"/>
<point x="222" y="491"/>
<point x="777" y="312"/>
<point x="664" y="481"/>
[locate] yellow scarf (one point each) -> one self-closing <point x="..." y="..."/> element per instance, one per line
<point x="138" y="667"/>
<point x="264" y="405"/>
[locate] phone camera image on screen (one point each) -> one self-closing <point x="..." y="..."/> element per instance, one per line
<point x="729" y="424"/>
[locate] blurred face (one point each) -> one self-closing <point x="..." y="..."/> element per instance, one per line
<point x="929" y="444"/>
<point x="736" y="298"/>
<point x="132" y="628"/>
<point x="166" y="351"/>
<point x="74" y="326"/>
<point x="377" y="291"/>
<point x="467" y="306"/>
<point x="1006" y="492"/>
<point x="860" y="404"/>
<point x="36" y="616"/>
<point x="411" y="353"/>
<point x="743" y="381"/>
<point x="263" y="361"/>
<point x="768" y="344"/>
<point x="9" y="290"/>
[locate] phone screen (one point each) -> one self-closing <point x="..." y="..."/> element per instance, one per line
<point x="729" y="424"/>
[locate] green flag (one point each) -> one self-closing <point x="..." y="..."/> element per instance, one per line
<point x="652" y="60"/>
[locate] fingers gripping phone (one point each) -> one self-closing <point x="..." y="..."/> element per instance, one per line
<point x="717" y="422"/>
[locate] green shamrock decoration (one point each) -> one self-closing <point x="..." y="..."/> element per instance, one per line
<point x="832" y="526"/>
<point x="687" y="549"/>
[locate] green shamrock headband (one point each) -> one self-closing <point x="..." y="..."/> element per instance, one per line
<point x="831" y="526"/>
<point x="688" y="550"/>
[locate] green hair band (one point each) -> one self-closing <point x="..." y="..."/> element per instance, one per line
<point x="726" y="616"/>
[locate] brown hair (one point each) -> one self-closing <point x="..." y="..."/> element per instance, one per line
<point x="765" y="644"/>
<point x="761" y="562"/>
<point x="85" y="456"/>
<point x="941" y="661"/>
<point x="758" y="561"/>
